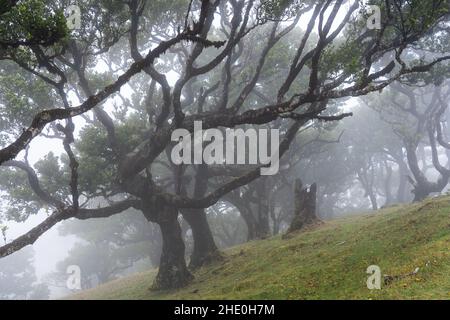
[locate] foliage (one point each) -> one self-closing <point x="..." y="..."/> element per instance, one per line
<point x="30" y="22"/>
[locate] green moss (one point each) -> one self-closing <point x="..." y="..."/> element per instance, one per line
<point x="328" y="262"/>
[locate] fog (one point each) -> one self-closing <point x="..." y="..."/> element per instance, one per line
<point x="363" y="125"/>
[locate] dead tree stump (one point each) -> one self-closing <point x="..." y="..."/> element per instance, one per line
<point x="305" y="207"/>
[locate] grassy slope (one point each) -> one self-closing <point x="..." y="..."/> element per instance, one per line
<point x="327" y="262"/>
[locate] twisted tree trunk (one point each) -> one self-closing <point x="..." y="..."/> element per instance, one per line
<point x="173" y="272"/>
<point x="205" y="249"/>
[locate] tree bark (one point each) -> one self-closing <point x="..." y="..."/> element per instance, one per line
<point x="173" y="272"/>
<point x="256" y="229"/>
<point x="263" y="228"/>
<point x="420" y="193"/>
<point x="373" y="200"/>
<point x="257" y="225"/>
<point x="246" y="214"/>
<point x="387" y="185"/>
<point x="205" y="249"/>
<point x="401" y="192"/>
<point x="305" y="207"/>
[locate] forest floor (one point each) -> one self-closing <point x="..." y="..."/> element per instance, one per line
<point x="326" y="262"/>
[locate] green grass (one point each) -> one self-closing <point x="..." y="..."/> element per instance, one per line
<point x="325" y="262"/>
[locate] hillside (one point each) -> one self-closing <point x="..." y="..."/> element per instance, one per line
<point x="326" y="262"/>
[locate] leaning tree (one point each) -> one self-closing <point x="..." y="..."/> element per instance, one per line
<point x="116" y="143"/>
<point x="418" y="117"/>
